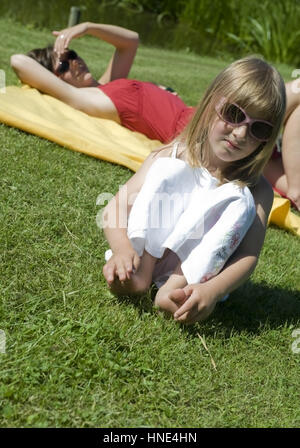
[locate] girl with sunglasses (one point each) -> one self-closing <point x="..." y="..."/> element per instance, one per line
<point x="189" y="206"/>
<point x="64" y="75"/>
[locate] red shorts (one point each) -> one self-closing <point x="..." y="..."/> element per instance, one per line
<point x="144" y="107"/>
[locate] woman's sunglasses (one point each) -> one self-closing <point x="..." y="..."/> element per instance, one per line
<point x="235" y="116"/>
<point x="64" y="65"/>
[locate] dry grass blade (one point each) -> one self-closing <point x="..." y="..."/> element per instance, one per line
<point x="64" y="298"/>
<point x="205" y="346"/>
<point x="70" y="233"/>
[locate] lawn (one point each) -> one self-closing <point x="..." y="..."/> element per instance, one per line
<point x="77" y="356"/>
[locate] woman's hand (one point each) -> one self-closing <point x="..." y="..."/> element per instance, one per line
<point x="198" y="305"/>
<point x="121" y="266"/>
<point x="65" y="36"/>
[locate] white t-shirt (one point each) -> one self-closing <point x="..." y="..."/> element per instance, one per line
<point x="185" y="210"/>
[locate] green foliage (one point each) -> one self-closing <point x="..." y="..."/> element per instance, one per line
<point x="237" y="28"/>
<point x="212" y="27"/>
<point x="267" y="31"/>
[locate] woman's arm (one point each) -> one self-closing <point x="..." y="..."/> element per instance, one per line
<point x="86" y="99"/>
<point x="125" y="41"/>
<point x="201" y="298"/>
<point x="31" y="72"/>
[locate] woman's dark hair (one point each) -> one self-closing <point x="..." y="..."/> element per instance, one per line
<point x="43" y="56"/>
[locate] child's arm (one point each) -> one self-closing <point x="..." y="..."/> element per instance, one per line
<point x="124" y="260"/>
<point x="200" y="299"/>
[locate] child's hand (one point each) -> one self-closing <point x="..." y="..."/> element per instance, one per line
<point x="198" y="305"/>
<point x="121" y="266"/>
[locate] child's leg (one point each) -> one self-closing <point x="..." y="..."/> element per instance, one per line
<point x="170" y="297"/>
<point x="140" y="281"/>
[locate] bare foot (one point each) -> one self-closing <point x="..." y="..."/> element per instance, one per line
<point x="170" y="301"/>
<point x="133" y="286"/>
<point x="178" y="296"/>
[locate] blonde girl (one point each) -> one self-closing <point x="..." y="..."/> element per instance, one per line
<point x="190" y="206"/>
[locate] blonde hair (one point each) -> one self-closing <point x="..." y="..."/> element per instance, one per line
<point x="251" y="83"/>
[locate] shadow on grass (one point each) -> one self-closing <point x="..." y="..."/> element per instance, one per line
<point x="254" y="307"/>
<point x="249" y="309"/>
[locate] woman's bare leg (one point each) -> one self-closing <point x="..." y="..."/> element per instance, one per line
<point x="274" y="172"/>
<point x="285" y="174"/>
<point x="291" y="156"/>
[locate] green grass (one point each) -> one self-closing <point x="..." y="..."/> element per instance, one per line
<point x="78" y="356"/>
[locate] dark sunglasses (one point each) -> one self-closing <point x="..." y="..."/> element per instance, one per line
<point x="63" y="66"/>
<point x="235" y="116"/>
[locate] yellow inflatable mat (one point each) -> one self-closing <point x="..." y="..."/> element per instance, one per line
<point x="27" y="109"/>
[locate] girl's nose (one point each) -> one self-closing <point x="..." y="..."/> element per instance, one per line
<point x="240" y="131"/>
